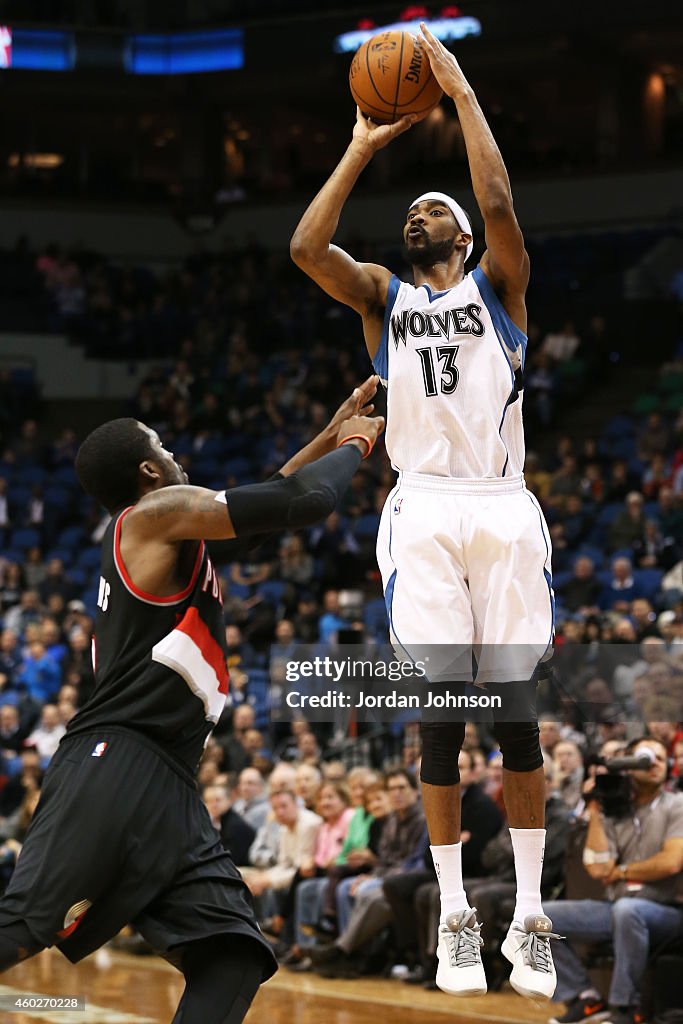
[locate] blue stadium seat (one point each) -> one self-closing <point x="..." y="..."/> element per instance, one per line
<point x="89" y="599"/>
<point x="65" y="475"/>
<point x="65" y="555"/>
<point x="272" y="591"/>
<point x="89" y="558"/>
<point x="214" y="448"/>
<point x="376" y="619"/>
<point x="561" y="579"/>
<point x="649" y="580"/>
<point x="25" y="538"/>
<point x="27" y="476"/>
<point x="71" y="537"/>
<point x="18" y="496"/>
<point x="367" y="525"/>
<point x="258" y="695"/>
<point x="58" y="496"/>
<point x="203" y="472"/>
<point x="239" y="467"/>
<point x="593" y="552"/>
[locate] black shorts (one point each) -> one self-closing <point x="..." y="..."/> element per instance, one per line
<point x="121" y="836"/>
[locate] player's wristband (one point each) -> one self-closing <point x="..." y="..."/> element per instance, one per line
<point x="358" y="437"/>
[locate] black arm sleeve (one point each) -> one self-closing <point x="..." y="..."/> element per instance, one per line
<point x="238" y="549"/>
<point x="302" y="499"/>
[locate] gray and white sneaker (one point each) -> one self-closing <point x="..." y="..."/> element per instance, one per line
<point x="527" y="947"/>
<point x="460" y="971"/>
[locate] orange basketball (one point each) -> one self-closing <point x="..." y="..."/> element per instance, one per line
<point x="390" y="76"/>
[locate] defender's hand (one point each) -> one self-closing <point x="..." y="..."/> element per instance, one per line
<point x="445" y="67"/>
<point x="365" y="426"/>
<point x="375" y="136"/>
<point x="358" y="403"/>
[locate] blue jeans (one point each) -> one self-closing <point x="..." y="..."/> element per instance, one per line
<point x="635" y="926"/>
<point x="345" y="900"/>
<point x="310" y="897"/>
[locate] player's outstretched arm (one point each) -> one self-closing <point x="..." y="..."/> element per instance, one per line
<point x="505" y="262"/>
<point x="363" y="286"/>
<point x="359" y="403"/>
<point x="174" y="514"/>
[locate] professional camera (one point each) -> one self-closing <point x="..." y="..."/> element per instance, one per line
<point x="613" y="789"/>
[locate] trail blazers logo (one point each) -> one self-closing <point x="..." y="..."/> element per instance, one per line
<point x="73" y="918"/>
<point x="413" y="322"/>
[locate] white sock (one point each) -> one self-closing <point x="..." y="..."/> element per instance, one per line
<point x="590" y="993"/>
<point x="448" y="864"/>
<point x="528" y="845"/>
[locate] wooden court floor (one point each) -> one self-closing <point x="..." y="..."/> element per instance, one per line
<point x="123" y="989"/>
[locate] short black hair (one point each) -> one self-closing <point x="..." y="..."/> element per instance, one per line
<point x="395" y="773"/>
<point x="108" y="460"/>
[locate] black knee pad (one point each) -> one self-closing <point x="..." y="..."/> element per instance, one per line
<point x="520" y="745"/>
<point x="441" y="744"/>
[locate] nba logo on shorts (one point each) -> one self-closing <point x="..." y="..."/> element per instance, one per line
<point x="99" y="750"/>
<point x="397" y="507"/>
<point x="5" y="47"/>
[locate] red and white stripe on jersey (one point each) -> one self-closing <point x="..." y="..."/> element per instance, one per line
<point x="142" y="595"/>
<point x="191" y="651"/>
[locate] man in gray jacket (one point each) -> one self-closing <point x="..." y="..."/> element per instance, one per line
<point x="639" y="860"/>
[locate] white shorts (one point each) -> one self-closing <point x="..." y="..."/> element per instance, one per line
<point x="466" y="571"/>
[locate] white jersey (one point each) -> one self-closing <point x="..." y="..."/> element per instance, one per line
<point x="448" y="360"/>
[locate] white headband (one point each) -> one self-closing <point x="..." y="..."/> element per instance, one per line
<point x="461" y="218"/>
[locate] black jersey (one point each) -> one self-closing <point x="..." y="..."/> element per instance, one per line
<point x="160" y="662"/>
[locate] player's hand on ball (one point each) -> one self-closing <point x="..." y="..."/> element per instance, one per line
<point x="445" y="67"/>
<point x="365" y="426"/>
<point x="376" y="136"/>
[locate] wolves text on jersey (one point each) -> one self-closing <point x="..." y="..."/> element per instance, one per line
<point x="461" y="320"/>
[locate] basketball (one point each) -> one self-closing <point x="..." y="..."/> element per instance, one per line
<point x="390" y="76"/>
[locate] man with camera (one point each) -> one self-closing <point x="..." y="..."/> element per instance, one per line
<point x="635" y="848"/>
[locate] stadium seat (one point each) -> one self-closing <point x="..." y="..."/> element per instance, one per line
<point x="596" y="554"/>
<point x="258" y="695"/>
<point x="71" y="537"/>
<point x="375" y="618"/>
<point x="18" y="495"/>
<point x="28" y="476"/>
<point x="65" y="555"/>
<point x="58" y="497"/>
<point x="367" y="525"/>
<point x="65" y="475"/>
<point x="561" y="579"/>
<point x="89" y="558"/>
<point x="272" y="591"/>
<point x="649" y="581"/>
<point x="26" y="538"/>
<point x="240" y="468"/>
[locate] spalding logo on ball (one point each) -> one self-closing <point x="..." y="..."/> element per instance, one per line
<point x="391" y="76"/>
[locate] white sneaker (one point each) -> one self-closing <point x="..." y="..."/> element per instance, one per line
<point x="527" y="947"/>
<point x="460" y="971"/>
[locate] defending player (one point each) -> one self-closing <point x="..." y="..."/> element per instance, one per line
<point x="463" y="548"/>
<point x="120" y="833"/>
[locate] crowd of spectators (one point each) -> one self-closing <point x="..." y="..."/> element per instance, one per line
<point x="329" y="852"/>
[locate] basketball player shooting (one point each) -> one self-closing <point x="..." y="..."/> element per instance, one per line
<point x="120" y="834"/>
<point x="463" y="547"/>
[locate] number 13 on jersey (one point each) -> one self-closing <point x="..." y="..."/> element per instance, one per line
<point x="446" y="354"/>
